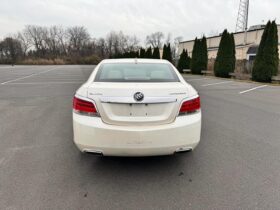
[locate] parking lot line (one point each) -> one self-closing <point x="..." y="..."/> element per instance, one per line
<point x="42" y="83"/>
<point x="189" y="80"/>
<point x="217" y="83"/>
<point x="255" y="88"/>
<point x="28" y="76"/>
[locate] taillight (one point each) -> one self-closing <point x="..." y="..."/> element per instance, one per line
<point x="84" y="107"/>
<point x="190" y="106"/>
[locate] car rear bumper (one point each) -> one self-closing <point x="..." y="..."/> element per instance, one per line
<point x="92" y="135"/>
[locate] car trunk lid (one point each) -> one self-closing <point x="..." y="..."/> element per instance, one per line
<point x="117" y="105"/>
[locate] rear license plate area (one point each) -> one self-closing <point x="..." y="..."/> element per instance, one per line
<point x="138" y="110"/>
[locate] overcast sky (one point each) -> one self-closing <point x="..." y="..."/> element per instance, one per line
<point x="186" y="18"/>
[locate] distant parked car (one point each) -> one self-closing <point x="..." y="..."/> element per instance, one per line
<point x="136" y="107"/>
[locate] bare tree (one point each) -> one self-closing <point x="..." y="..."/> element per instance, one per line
<point x="155" y="39"/>
<point x="10" y="49"/>
<point x="101" y="47"/>
<point x="61" y="37"/>
<point x="175" y="49"/>
<point x="78" y="37"/>
<point x="110" y="40"/>
<point x="24" y="42"/>
<point x="51" y="42"/>
<point x="36" y="35"/>
<point x="119" y="43"/>
<point x="168" y="38"/>
<point x="70" y="44"/>
<point x="114" y="43"/>
<point x="132" y="43"/>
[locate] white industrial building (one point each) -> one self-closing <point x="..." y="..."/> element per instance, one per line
<point x="246" y="43"/>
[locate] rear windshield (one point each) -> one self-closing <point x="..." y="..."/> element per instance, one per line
<point x="131" y="72"/>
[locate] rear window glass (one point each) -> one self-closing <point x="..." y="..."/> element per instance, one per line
<point x="140" y="72"/>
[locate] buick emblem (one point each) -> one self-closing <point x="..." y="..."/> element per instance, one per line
<point x="138" y="96"/>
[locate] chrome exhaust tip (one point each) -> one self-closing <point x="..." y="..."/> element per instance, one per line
<point x="183" y="150"/>
<point x="93" y="152"/>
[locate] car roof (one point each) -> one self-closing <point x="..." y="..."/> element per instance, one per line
<point x="134" y="60"/>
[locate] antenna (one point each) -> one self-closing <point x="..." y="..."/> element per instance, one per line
<point x="242" y="18"/>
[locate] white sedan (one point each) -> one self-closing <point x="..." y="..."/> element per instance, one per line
<point x="136" y="107"/>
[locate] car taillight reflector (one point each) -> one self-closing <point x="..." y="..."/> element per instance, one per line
<point x="83" y="107"/>
<point x="190" y="106"/>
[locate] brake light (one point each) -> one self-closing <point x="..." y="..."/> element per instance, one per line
<point x="84" y="107"/>
<point x="190" y="106"/>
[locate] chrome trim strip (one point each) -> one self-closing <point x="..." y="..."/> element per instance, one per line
<point x="130" y="100"/>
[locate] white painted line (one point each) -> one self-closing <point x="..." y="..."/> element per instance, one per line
<point x="31" y="75"/>
<point x="5" y="67"/>
<point x="217" y="83"/>
<point x="41" y="83"/>
<point x="255" y="88"/>
<point x="14" y="67"/>
<point x="189" y="80"/>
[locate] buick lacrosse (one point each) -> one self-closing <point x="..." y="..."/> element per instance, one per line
<point x="136" y="107"/>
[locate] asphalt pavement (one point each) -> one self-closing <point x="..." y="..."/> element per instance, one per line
<point x="236" y="165"/>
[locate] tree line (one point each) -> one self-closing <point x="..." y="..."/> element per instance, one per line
<point x="265" y="65"/>
<point x="149" y="53"/>
<point x="72" y="44"/>
<point x="267" y="59"/>
<point x="199" y="60"/>
<point x="75" y="45"/>
<point x="152" y="53"/>
<point x="226" y="59"/>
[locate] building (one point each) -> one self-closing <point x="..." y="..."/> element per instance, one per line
<point x="246" y="43"/>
